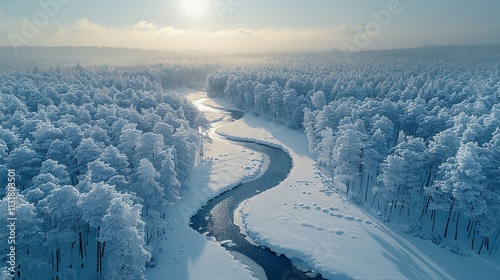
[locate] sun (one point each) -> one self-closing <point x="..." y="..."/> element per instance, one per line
<point x="195" y="8"/>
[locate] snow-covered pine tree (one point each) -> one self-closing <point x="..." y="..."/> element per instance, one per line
<point x="123" y="232"/>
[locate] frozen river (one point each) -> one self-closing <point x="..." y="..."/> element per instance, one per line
<point x="216" y="218"/>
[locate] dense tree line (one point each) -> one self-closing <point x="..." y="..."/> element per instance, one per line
<point x="98" y="154"/>
<point x="411" y="132"/>
<point x="185" y="66"/>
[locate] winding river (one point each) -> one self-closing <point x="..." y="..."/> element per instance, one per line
<point x="217" y="219"/>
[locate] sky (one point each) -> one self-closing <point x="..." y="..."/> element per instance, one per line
<point x="233" y="26"/>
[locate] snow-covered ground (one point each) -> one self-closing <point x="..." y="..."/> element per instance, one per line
<point x="305" y="218"/>
<point x="191" y="255"/>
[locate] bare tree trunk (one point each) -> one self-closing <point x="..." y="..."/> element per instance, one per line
<point x="456" y="226"/>
<point x="361" y="180"/>
<point x="485" y="240"/>
<point x="473" y="239"/>
<point x="449" y="218"/>
<point x="386" y="208"/>
<point x="99" y="254"/>
<point x="367" y="183"/>
<point x="102" y="252"/>
<point x="332" y="175"/>
<point x="408" y="207"/>
<point x="80" y="249"/>
<point x="473" y="235"/>
<point x="373" y="201"/>
<point x="428" y="178"/>
<point x="58" y="259"/>
<point x="494" y="242"/>
<point x="433" y="218"/>
<point x="420" y="218"/>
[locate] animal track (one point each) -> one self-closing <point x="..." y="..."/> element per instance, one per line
<point x="350" y="218"/>
<point x="333" y="212"/>
<point x="338" y="215"/>
<point x="336" y="231"/>
<point x="310" y="225"/>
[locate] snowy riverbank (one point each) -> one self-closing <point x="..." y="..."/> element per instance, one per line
<point x="191" y="255"/>
<point x="306" y="218"/>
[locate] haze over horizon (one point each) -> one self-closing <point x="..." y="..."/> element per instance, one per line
<point x="232" y="26"/>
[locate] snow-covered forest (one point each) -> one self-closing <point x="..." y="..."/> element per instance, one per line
<point x="412" y="133"/>
<point x="100" y="151"/>
<point x="97" y="154"/>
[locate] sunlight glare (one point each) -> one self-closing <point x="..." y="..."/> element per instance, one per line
<point x="195" y="8"/>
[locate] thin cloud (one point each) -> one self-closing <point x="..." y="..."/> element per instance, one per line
<point x="147" y="35"/>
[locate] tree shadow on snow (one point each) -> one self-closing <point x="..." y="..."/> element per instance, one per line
<point x="409" y="264"/>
